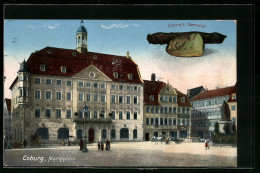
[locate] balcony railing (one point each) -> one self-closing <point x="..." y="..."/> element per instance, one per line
<point x="93" y="120"/>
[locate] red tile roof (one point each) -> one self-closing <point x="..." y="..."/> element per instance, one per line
<point x="217" y="93"/>
<point x="74" y="64"/>
<point x="152" y="88"/>
<point x="179" y="96"/>
<point x="8" y="104"/>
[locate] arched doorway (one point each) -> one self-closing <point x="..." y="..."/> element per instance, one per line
<point x="155" y="134"/>
<point x="91" y="135"/>
<point x="79" y="133"/>
<point x="63" y="133"/>
<point x="124" y="133"/>
<point x="43" y="132"/>
<point x="135" y="133"/>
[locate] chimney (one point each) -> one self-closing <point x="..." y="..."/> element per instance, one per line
<point x="127" y="54"/>
<point x="153" y="77"/>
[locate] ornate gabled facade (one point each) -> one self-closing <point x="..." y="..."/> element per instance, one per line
<point x="209" y="107"/>
<point x="54" y="85"/>
<point x="166" y="111"/>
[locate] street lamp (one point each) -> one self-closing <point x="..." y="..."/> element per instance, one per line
<point x="85" y="108"/>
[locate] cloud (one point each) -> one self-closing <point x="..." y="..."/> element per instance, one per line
<point x="31" y="27"/>
<point x="49" y="26"/>
<point x="121" y="25"/>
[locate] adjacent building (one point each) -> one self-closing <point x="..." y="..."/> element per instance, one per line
<point x="166" y="111"/>
<point x="211" y="106"/>
<point x="54" y="85"/>
<point x="7" y="118"/>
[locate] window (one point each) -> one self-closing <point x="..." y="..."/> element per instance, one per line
<point x="68" y="95"/>
<point x="120" y="115"/>
<point x="234" y="97"/>
<point x="48" y="113"/>
<point x="37" y="94"/>
<point x="113" y="133"/>
<point x="128" y="115"/>
<point x="88" y="85"/>
<point x="113" y="115"/>
<point x="170" y="121"/>
<point x="128" y="87"/>
<point x="179" y="110"/>
<point x="157" y="121"/>
<point x="233" y="107"/>
<point x="63" y="69"/>
<point x="58" y="82"/>
<point x="234" y="120"/>
<point x="157" y="109"/>
<point x="88" y="97"/>
<point x="113" y="99"/>
<point x="121" y="99"/>
<point x="170" y="110"/>
<point x="92" y="74"/>
<point x="115" y="75"/>
<point x="48" y="95"/>
<point x="170" y="98"/>
<point x="58" y="113"/>
<point x="183" y="122"/>
<point x="135" y="115"/>
<point x="80" y="114"/>
<point x="121" y="87"/>
<point x="179" y="121"/>
<point x="152" y="109"/>
<point x="130" y="76"/>
<point x="37" y="113"/>
<point x="95" y="114"/>
<point x="104" y="134"/>
<point x="135" y="99"/>
<point x="147" y="109"/>
<point x="166" y="98"/>
<point x="165" y="121"/>
<point x="147" y="121"/>
<point x="128" y="99"/>
<point x="37" y="80"/>
<point x="166" y="110"/>
<point x="188" y="110"/>
<point x="175" y="99"/>
<point x="113" y="87"/>
<point x="183" y="99"/>
<point x="80" y="96"/>
<point x="95" y="85"/>
<point x="183" y="110"/>
<point x="188" y="121"/>
<point x="152" y="98"/>
<point x="103" y="98"/>
<point x="42" y="67"/>
<point x="68" y="113"/>
<point x="88" y="114"/>
<point x="162" y="110"/>
<point x="95" y="97"/>
<point x="135" y="88"/>
<point x="152" y="121"/>
<point x="48" y="81"/>
<point x="58" y="95"/>
<point x="69" y="83"/>
<point x="174" y="121"/>
<point x="161" y="121"/>
<point x="161" y="98"/>
<point x="81" y="84"/>
<point x="102" y="86"/>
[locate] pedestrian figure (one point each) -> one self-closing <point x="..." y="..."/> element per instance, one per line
<point x="102" y="146"/>
<point x="206" y="144"/>
<point x="98" y="145"/>
<point x="107" y="145"/>
<point x="81" y="144"/>
<point x="24" y="143"/>
<point x="68" y="142"/>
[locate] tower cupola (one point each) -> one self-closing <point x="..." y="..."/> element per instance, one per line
<point x="23" y="67"/>
<point x="81" y="39"/>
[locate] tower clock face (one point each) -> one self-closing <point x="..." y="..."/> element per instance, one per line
<point x="92" y="74"/>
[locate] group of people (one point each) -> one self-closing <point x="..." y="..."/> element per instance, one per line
<point x="100" y="145"/>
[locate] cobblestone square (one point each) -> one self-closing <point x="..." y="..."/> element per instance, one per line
<point x="125" y="154"/>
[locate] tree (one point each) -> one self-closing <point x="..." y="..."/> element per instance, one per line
<point x="226" y="128"/>
<point x="216" y="128"/>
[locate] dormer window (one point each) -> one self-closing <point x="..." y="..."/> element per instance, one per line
<point x="152" y="98"/>
<point x="63" y="69"/>
<point x="130" y="76"/>
<point x="115" y="75"/>
<point x="49" y="51"/>
<point x="234" y="97"/>
<point x="42" y="67"/>
<point x="74" y="53"/>
<point x="95" y="56"/>
<point x="183" y="99"/>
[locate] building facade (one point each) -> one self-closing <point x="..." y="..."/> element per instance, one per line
<point x="213" y="106"/>
<point x="7" y="118"/>
<point x="54" y="85"/>
<point x="166" y="111"/>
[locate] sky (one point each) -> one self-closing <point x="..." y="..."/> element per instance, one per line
<point x="216" y="68"/>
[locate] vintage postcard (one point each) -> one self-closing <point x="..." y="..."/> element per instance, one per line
<point x="120" y="93"/>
